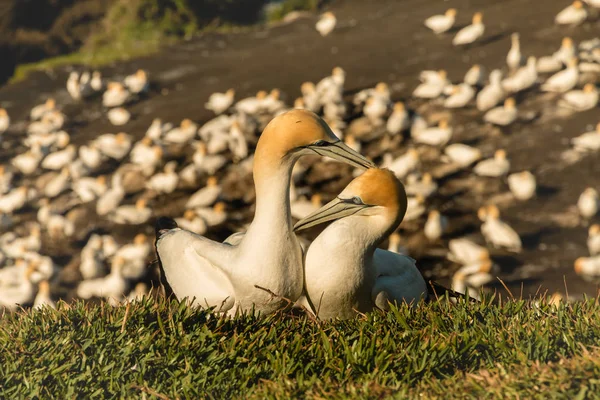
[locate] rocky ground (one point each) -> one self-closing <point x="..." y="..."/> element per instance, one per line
<point x="376" y="41"/>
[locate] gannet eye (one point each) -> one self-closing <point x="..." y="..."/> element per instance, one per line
<point x="320" y="143"/>
<point x="357" y="200"/>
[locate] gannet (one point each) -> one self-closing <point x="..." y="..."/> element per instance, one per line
<point x="399" y="120"/>
<point x="238" y="145"/>
<point x="138" y="82"/>
<point x="58" y="184"/>
<point x="524" y="78"/>
<point x="15" y="199"/>
<point x="251" y="105"/>
<point x="435" y="226"/>
<point x="184" y="133"/>
<point x="96" y="82"/>
<point x="134" y="257"/>
<point x="345" y="272"/>
<point x="395" y="244"/>
<point x="27" y="163"/>
<point x="115" y="95"/>
<point x="213" y="216"/>
<point x="118" y="116"/>
<point x="111" y="199"/>
<point x="497" y="232"/>
<point x="461" y="95"/>
<point x="522" y="185"/>
<point x="470" y="33"/>
<point x="207" y="163"/>
<point x="514" y="59"/>
<point x="462" y="154"/>
<point x="588" y="268"/>
<point x="269" y="254"/>
<point x="475" y="76"/>
<point x="220" y="102"/>
<point x="114" y="146"/>
<point x="442" y="23"/>
<point x="112" y="286"/>
<point x="42" y="298"/>
<point x="375" y="108"/>
<point x="589" y="141"/>
<point x="425" y="187"/>
<point x="504" y="115"/>
<point x="435" y="136"/>
<point x="564" y="80"/>
<point x="588" y="203"/>
<point x="491" y="94"/>
<point x="73" y="86"/>
<point x="432" y="86"/>
<point x="302" y="207"/>
<point x="310" y="96"/>
<point x="91" y="156"/>
<point x="166" y="181"/>
<point x="581" y="100"/>
<point x="326" y="23"/>
<point x="60" y="159"/>
<point x="39" y="111"/>
<point x="493" y="167"/>
<point x="205" y="196"/>
<point x="464" y="251"/>
<point x="471" y="277"/>
<point x="19" y="291"/>
<point x="192" y="222"/>
<point x="6" y="176"/>
<point x="574" y="14"/>
<point x="403" y="165"/>
<point x="4" y="121"/>
<point x="593" y="241"/>
<point x="331" y="88"/>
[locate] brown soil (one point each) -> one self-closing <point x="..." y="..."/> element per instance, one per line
<point x="384" y="40"/>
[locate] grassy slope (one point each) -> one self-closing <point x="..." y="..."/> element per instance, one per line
<point x="439" y="349"/>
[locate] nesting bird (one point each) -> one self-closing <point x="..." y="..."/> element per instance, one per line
<point x="470" y="33"/>
<point x="442" y="23"/>
<point x="326" y="23"/>
<point x="588" y="203"/>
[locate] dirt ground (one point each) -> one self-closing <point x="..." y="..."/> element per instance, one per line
<point x="385" y="40"/>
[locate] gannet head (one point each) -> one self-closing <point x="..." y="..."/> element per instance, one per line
<point x="577" y="4"/>
<point x="50" y="103"/>
<point x="299" y="103"/>
<point x="567" y="42"/>
<point x="589" y="88"/>
<point x="377" y="192"/>
<point x="189" y="215"/>
<point x="399" y="106"/>
<point x="44" y="287"/>
<point x="381" y="87"/>
<point x="451" y="12"/>
<point x="509" y="103"/>
<point x="580" y="264"/>
<point x="477" y="18"/>
<point x="493" y="212"/>
<point x="230" y="92"/>
<point x="3" y="112"/>
<point x="514" y="37"/>
<point x="307" y="88"/>
<point x="594" y="230"/>
<point x="500" y="154"/>
<point x="572" y="63"/>
<point x="140" y="239"/>
<point x="482" y="213"/>
<point x="301" y="132"/>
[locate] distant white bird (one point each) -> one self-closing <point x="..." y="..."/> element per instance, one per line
<point x="115" y="95"/>
<point x="470" y="33"/>
<point x="435" y="226"/>
<point x="492" y="94"/>
<point x="497" y="232"/>
<point x="589" y="141"/>
<point x="133" y="215"/>
<point x="435" y="136"/>
<point x="588" y="203"/>
<point x="399" y="120"/>
<point x="432" y="85"/>
<point x="564" y="80"/>
<point x="403" y="165"/>
<point x="442" y="23"/>
<point x="522" y="185"/>
<point x="138" y="82"/>
<point x="112" y="287"/>
<point x="425" y="187"/>
<point x="514" y="58"/>
<point x="166" y="181"/>
<point x="206" y="196"/>
<point x="461" y="95"/>
<point x="493" y="167"/>
<point x="220" y="102"/>
<point x="504" y="115"/>
<point x="38" y="111"/>
<point x="475" y="76"/>
<point x="465" y="251"/>
<point x="574" y="14"/>
<point x="524" y="78"/>
<point x="192" y="222"/>
<point x="462" y="154"/>
<point x="588" y="268"/>
<point x="118" y="116"/>
<point x="326" y="23"/>
<point x="4" y="121"/>
<point x="60" y="159"/>
<point x="593" y="241"/>
<point x="581" y="100"/>
<point x="43" y="298"/>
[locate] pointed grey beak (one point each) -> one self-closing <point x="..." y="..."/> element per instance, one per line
<point x="333" y="210"/>
<point x="341" y="152"/>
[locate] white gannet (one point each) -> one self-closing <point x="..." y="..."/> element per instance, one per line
<point x="114" y="146"/>
<point x="415" y="208"/>
<point x="118" y="116"/>
<point x="156" y="130"/>
<point x="588" y="203"/>
<point x="112" y="286"/>
<point x="58" y="184"/>
<point x="96" y="82"/>
<point x="326" y="23"/>
<point x="131" y="214"/>
<point x="567" y="50"/>
<point x="345" y="272"/>
<point x="471" y="277"/>
<point x="403" y="165"/>
<point x="206" y="196"/>
<point x="39" y="111"/>
<point x="251" y="105"/>
<point x="19" y="290"/>
<point x="395" y="244"/>
<point x="89" y="189"/>
<point x="375" y="108"/>
<point x="220" y="102"/>
<point x="435" y="226"/>
<point x="213" y="216"/>
<point x="462" y="154"/>
<point x="111" y="199"/>
<point x="166" y="181"/>
<point x="91" y="156"/>
<point x="588" y="268"/>
<point x="27" y="163"/>
<point x="581" y="100"/>
<point x="491" y="94"/>
<point x="522" y="185"/>
<point x="185" y="132"/>
<point x="435" y="136"/>
<point x="331" y="88"/>
<point x="4" y="121"/>
<point x="192" y="222"/>
<point x="460" y="96"/>
<point x="15" y="199"/>
<point x="238" y="145"/>
<point x="60" y="159"/>
<point x="475" y="76"/>
<point x="524" y="78"/>
<point x="92" y="258"/>
<point x="134" y="257"/>
<point x="6" y="177"/>
<point x="593" y="241"/>
<point x="43" y="298"/>
<point x="432" y="85"/>
<point x="497" y="232"/>
<point x="443" y="22"/>
<point x="470" y="33"/>
<point x="514" y="58"/>
<point x="564" y="80"/>
<point x="399" y="120"/>
<point x="574" y="14"/>
<point x="115" y="95"/>
<point x="425" y="187"/>
<point x="269" y="254"/>
<point x="310" y="96"/>
<point x="302" y="207"/>
<point x="207" y="163"/>
<point x="73" y="86"/>
<point x="589" y="141"/>
<point x="138" y="82"/>
<point x="465" y="251"/>
<point x="493" y="167"/>
<point x="503" y="116"/>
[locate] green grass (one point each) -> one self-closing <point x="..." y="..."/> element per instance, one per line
<point x="439" y="350"/>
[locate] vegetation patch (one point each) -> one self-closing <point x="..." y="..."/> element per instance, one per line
<point x="443" y="350"/>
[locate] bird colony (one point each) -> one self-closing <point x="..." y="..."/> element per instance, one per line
<point x="262" y="163"/>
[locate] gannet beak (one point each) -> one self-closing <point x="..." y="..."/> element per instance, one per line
<point x="341" y="152"/>
<point x="335" y="209"/>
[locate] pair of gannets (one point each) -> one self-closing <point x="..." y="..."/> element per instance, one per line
<point x="442" y="23"/>
<point x="264" y="267"/>
<point x="555" y="62"/>
<point x="326" y="23"/>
